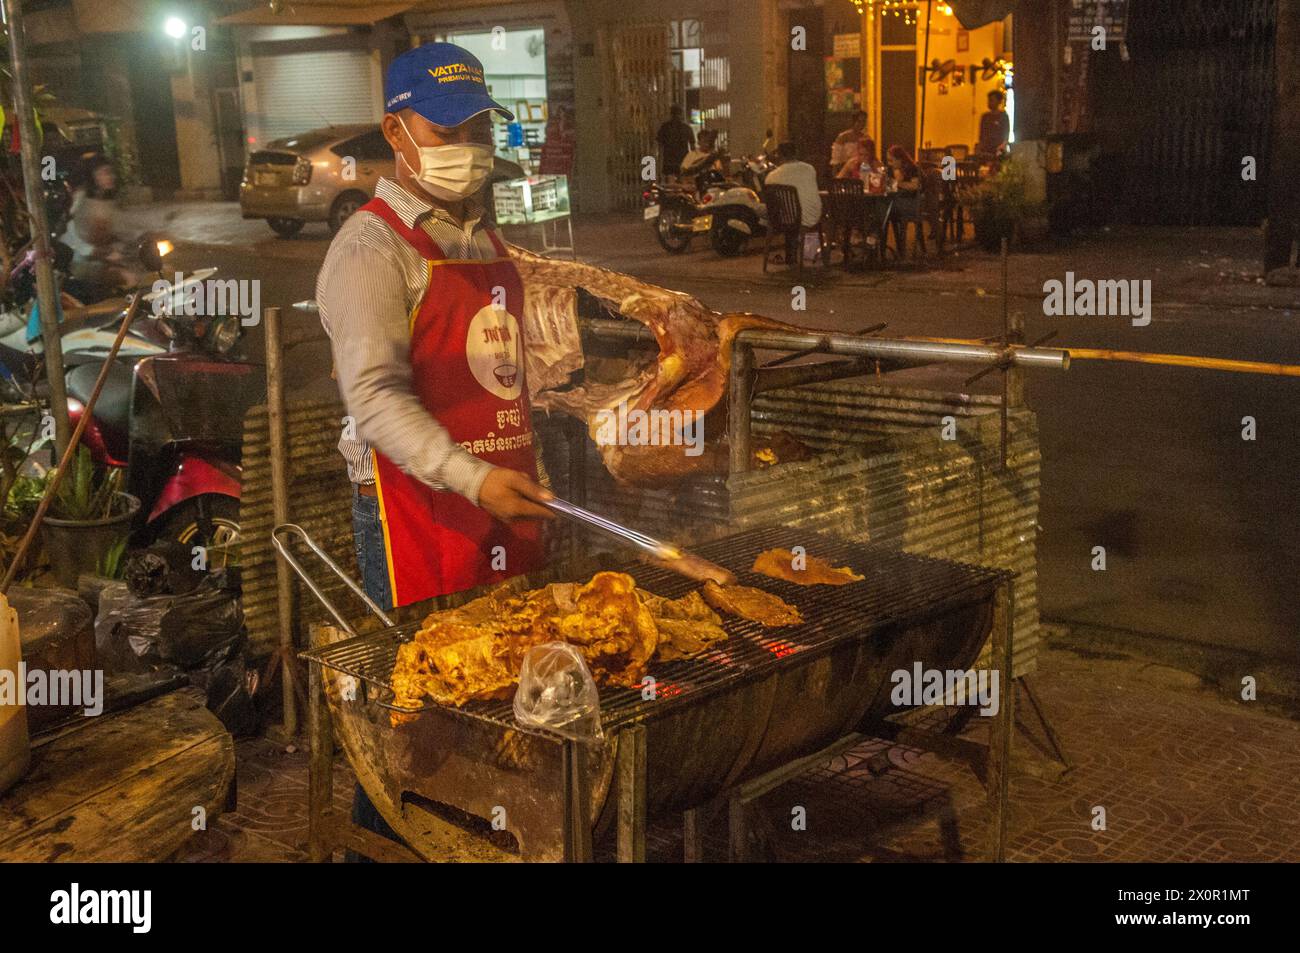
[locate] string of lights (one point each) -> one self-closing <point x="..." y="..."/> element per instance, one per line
<point x="906" y="9"/>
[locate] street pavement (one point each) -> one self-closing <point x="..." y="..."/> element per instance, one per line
<point x="1198" y="524"/>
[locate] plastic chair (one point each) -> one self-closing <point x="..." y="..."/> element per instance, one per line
<point x="785" y="218"/>
<point x="919" y="208"/>
<point x="844" y="208"/>
<point x="968" y="176"/>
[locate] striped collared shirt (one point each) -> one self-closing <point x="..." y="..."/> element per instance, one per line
<point x="371" y="281"/>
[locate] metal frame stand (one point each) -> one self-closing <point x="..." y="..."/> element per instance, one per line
<point x="1057" y="751"/>
<point x="991" y="763"/>
<point x="551" y="243"/>
<point x="328" y="831"/>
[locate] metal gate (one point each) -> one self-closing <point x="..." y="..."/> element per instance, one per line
<point x="1194" y="99"/>
<point x="638" y="92"/>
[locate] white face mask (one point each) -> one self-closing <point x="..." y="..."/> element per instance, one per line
<point x="451" y="172"/>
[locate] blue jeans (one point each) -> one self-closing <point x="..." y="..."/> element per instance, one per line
<point x="372" y="561"/>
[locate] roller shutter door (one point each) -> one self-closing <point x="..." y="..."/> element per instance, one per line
<point x="301" y="91"/>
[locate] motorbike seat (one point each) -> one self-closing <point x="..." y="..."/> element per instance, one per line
<point x="113" y="409"/>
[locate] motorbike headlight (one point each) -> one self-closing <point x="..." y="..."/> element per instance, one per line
<point x="223" y="334"/>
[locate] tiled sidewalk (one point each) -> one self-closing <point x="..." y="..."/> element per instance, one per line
<point x="1183" y="775"/>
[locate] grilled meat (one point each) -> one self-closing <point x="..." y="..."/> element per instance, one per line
<point x="686" y="626"/>
<point x="477" y="650"/>
<point x="781" y="563"/>
<point x="749" y="603"/>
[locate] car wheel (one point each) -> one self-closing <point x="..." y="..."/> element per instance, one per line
<point x="343" y="207"/>
<point x="286" y="227"/>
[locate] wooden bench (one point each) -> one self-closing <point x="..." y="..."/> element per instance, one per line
<point x="120" y="787"/>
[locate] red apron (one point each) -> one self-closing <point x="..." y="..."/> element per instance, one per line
<point x="467" y="351"/>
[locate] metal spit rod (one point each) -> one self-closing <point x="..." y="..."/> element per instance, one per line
<point x="895" y="349"/>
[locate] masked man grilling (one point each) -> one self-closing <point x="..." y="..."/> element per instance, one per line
<point x="422" y="305"/>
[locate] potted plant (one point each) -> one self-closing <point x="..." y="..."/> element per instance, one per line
<point x="998" y="205"/>
<point x="88" y="522"/>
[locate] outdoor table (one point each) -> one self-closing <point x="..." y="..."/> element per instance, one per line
<point x="122" y="786"/>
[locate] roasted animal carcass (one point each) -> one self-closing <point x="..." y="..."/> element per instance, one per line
<point x="750" y="603"/>
<point x="813" y="571"/>
<point x="689" y="373"/>
<point x="476" y="651"/>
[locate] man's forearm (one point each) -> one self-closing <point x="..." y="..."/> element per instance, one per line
<point x="393" y="421"/>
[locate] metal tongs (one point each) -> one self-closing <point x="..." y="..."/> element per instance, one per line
<point x="665" y="554"/>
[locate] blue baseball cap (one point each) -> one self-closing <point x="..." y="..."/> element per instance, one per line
<point x="440" y="81"/>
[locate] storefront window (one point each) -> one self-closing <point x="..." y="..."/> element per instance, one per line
<point x="514" y="66"/>
<point x="688" y="61"/>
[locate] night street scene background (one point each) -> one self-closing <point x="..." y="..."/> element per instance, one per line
<point x="1030" y="376"/>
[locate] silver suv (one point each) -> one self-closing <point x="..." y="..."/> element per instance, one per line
<point x="320" y="176"/>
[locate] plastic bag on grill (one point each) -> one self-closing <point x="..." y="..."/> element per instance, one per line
<point x="557" y="692"/>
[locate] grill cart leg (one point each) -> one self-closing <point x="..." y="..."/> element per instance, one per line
<point x="999" y="764"/>
<point x="740" y="395"/>
<point x="1052" y="739"/>
<point x="692" y="837"/>
<point x="740" y="797"/>
<point x="320" y="783"/>
<point x="631" y="769"/>
<point x="577" y="804"/>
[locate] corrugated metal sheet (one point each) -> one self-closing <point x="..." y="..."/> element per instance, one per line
<point x="320" y="500"/>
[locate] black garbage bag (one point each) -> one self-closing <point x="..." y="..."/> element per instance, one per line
<point x="194" y="630"/>
<point x="232" y="696"/>
<point x="165" y="568"/>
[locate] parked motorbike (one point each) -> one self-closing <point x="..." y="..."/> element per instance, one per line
<point x="729" y="212"/>
<point x="86" y="329"/>
<point x="172" y="413"/>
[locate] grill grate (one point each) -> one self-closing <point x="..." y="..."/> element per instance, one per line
<point x="898" y="586"/>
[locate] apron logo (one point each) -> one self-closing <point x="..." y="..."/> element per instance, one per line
<point x="492" y="349"/>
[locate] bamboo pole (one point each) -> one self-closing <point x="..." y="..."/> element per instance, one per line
<point x="1185" y="360"/>
<point x="278" y="434"/>
<point x="1229" y="365"/>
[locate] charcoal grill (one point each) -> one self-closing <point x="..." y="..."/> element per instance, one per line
<point x="760" y="699"/>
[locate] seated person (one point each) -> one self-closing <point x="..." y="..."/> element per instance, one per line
<point x="791" y="170"/>
<point x="862" y="161"/>
<point x="865" y="167"/>
<point x="918" y="195"/>
<point x="905" y="185"/>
